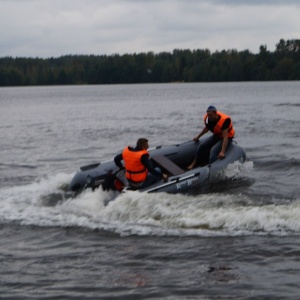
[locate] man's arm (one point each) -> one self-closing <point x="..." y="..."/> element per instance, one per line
<point x="118" y="158"/>
<point x="225" y="128"/>
<point x="204" y="130"/>
<point x="146" y="162"/>
<point x="224" y="143"/>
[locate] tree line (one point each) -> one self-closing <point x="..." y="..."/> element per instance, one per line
<point x="199" y="65"/>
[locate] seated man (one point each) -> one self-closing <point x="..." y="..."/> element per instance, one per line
<point x="139" y="170"/>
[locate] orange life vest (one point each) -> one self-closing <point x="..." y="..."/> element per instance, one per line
<point x="218" y="128"/>
<point x="135" y="170"/>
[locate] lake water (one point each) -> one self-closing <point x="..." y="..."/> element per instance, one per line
<point x="238" y="240"/>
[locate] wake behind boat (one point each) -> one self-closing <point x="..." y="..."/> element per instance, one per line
<point x="172" y="160"/>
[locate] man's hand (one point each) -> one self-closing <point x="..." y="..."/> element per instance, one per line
<point x="165" y="177"/>
<point x="221" y="155"/>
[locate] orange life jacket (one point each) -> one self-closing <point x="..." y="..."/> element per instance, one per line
<point x="218" y="128"/>
<point x="135" y="170"/>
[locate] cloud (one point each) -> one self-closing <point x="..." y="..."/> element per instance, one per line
<point x="48" y="28"/>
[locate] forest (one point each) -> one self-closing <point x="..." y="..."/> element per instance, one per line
<point x="182" y="65"/>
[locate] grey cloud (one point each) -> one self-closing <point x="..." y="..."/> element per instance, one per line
<point x="55" y="27"/>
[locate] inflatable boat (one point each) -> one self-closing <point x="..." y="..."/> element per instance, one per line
<point x="172" y="160"/>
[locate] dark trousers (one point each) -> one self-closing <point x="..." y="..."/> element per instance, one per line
<point x="151" y="178"/>
<point x="209" y="149"/>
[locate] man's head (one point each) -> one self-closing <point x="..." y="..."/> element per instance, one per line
<point x="142" y="143"/>
<point x="212" y="113"/>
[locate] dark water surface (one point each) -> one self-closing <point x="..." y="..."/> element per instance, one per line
<point x="238" y="240"/>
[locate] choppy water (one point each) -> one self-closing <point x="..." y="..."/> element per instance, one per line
<point x="238" y="240"/>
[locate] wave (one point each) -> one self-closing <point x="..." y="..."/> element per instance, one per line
<point x="288" y="104"/>
<point x="42" y="203"/>
<point x="282" y="164"/>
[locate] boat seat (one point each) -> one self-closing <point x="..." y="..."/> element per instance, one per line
<point x="167" y="164"/>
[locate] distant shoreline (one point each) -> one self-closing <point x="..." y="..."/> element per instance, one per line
<point x="182" y="65"/>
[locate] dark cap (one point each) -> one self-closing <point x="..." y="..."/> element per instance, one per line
<point x="211" y="108"/>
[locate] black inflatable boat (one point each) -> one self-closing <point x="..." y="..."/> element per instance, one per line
<point x="172" y="160"/>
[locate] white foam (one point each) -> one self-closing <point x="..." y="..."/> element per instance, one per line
<point x="238" y="170"/>
<point x="216" y="214"/>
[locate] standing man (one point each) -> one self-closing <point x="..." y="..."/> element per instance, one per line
<point x="223" y="132"/>
<point x="139" y="170"/>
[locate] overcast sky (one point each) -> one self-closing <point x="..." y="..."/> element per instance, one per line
<point x="51" y="28"/>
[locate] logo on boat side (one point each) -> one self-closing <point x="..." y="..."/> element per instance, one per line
<point x="187" y="182"/>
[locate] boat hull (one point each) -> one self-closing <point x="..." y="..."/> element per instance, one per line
<point x="172" y="159"/>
